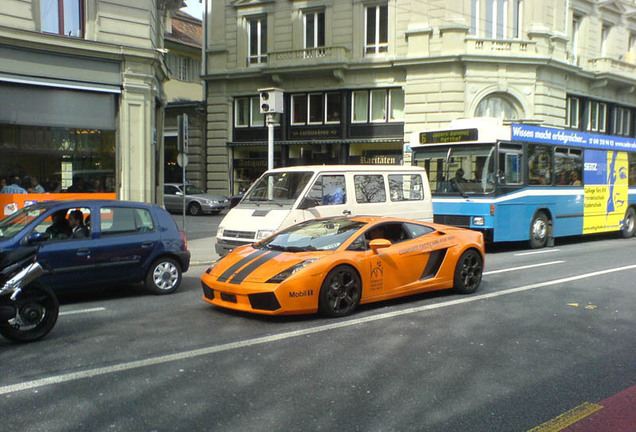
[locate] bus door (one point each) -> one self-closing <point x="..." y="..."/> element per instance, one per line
<point x="510" y="219"/>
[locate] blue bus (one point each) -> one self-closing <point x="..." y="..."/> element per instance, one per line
<point x="517" y="182"/>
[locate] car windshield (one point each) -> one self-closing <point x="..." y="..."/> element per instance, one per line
<point x="15" y="223"/>
<point x="458" y="169"/>
<point x="193" y="190"/>
<point x="317" y="234"/>
<point x="280" y="189"/>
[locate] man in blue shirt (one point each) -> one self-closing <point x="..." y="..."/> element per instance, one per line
<point x="13" y="187"/>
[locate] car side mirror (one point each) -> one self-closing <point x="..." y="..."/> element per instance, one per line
<point x="379" y="244"/>
<point x="307" y="203"/>
<point x="178" y="193"/>
<point x="37" y="237"/>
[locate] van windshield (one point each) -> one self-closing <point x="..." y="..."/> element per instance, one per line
<point x="279" y="189"/>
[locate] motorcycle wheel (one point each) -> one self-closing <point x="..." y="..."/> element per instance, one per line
<point x="38" y="309"/>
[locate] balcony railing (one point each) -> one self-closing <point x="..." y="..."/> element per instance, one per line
<point x="612" y="66"/>
<point x="504" y="47"/>
<point x="309" y="56"/>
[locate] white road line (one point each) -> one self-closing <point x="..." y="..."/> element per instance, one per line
<point x="73" y="376"/>
<point x="523" y="267"/>
<point x="542" y="251"/>
<point x="83" y="311"/>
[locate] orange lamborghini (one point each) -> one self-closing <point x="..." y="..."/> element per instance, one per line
<point x="333" y="264"/>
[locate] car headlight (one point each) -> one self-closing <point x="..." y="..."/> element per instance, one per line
<point x="261" y="234"/>
<point x="290" y="271"/>
<point x="219" y="232"/>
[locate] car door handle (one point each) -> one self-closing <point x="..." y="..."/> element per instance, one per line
<point x="346" y="212"/>
<point x="147" y="244"/>
<point x="83" y="252"/>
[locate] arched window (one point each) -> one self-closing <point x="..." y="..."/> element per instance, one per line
<point x="497" y="106"/>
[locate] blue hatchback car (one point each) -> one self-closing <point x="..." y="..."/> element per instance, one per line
<point x="101" y="242"/>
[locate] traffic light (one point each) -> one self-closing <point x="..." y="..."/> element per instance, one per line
<point x="271" y="100"/>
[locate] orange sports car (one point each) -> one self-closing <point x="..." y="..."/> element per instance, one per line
<point x="333" y="264"/>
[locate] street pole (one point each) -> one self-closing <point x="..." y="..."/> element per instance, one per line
<point x="270" y="154"/>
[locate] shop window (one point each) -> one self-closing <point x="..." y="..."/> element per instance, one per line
<point x="369" y="188"/>
<point x="299" y="109"/>
<point x="63" y="17"/>
<point x="572" y="112"/>
<point x="316" y="108"/>
<point x="539" y="165"/>
<point x="247" y="112"/>
<point x="372" y="106"/>
<point x="376" y="29"/>
<point x="597" y="116"/>
<point x="622" y="121"/>
<point x="257" y="40"/>
<point x="568" y="166"/>
<point x="334" y="106"/>
<point x="406" y="187"/>
<point x="314" y="35"/>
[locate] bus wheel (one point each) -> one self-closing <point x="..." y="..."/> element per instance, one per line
<point x="629" y="226"/>
<point x="539" y="231"/>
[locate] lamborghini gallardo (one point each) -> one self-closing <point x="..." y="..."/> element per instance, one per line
<point x="331" y="265"/>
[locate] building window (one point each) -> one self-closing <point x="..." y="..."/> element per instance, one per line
<point x="632" y="42"/>
<point x="605" y="40"/>
<point x="572" y="112"/>
<point x="376" y="29"/>
<point x="475" y="22"/>
<point x="63" y="17"/>
<point x="247" y="112"/>
<point x="576" y="33"/>
<point x="496" y="19"/>
<point x="183" y="68"/>
<point x="597" y="116"/>
<point x="373" y="105"/>
<point x="314" y="35"/>
<point x="257" y="37"/>
<point x="622" y="121"/>
<point x="495" y="105"/>
<point x="333" y="106"/>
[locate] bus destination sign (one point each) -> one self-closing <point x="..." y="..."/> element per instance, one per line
<point x="449" y="136"/>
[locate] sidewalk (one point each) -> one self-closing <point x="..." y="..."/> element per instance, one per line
<point x="202" y="251"/>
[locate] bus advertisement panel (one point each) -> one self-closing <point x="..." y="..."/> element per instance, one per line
<point x="524" y="182"/>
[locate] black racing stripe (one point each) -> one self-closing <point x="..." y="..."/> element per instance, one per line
<point x="240" y="263"/>
<point x="240" y="277"/>
<point x="433" y="264"/>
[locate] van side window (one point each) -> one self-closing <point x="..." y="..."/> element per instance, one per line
<point x="406" y="187"/>
<point x="369" y="188"/>
<point x="328" y="190"/>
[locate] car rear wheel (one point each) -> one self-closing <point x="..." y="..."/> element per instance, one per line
<point x="194" y="209"/>
<point x="340" y="292"/>
<point x="468" y="272"/>
<point x="164" y="276"/>
<point x="629" y="226"/>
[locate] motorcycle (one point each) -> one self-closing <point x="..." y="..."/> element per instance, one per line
<point x="28" y="308"/>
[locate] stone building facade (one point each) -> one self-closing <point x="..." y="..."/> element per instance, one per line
<point x="360" y="76"/>
<point x="81" y="97"/>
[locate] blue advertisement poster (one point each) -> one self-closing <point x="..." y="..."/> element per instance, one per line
<point x="545" y="135"/>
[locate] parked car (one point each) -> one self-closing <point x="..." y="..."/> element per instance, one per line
<point x="333" y="264"/>
<point x="119" y="242"/>
<point x="197" y="201"/>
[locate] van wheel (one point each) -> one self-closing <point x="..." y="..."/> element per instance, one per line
<point x="539" y="231"/>
<point x="629" y="224"/>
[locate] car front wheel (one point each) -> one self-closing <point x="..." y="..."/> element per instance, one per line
<point x="340" y="292"/>
<point x="164" y="276"/>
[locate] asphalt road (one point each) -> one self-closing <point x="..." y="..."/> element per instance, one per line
<point x="547" y="332"/>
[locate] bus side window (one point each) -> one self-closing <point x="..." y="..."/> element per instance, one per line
<point x="510" y="166"/>
<point x="539" y="165"/>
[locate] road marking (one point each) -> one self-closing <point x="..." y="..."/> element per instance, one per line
<point x="73" y="376"/>
<point x="83" y="311"/>
<point x="542" y="251"/>
<point x="568" y="418"/>
<point x="523" y="267"/>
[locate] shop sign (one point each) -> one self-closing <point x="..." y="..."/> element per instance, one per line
<point x="314" y="133"/>
<point x="249" y="163"/>
<point x="376" y="160"/>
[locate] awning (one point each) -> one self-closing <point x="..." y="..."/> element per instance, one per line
<point x="318" y="142"/>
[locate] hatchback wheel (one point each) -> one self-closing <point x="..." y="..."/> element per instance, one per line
<point x="164" y="276"/>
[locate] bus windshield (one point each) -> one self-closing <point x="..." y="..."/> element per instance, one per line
<point x="458" y="169"/>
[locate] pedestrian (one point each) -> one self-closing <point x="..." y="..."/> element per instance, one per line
<point x="13" y="186"/>
<point x="35" y="186"/>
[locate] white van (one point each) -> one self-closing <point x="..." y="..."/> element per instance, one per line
<point x="285" y="196"/>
